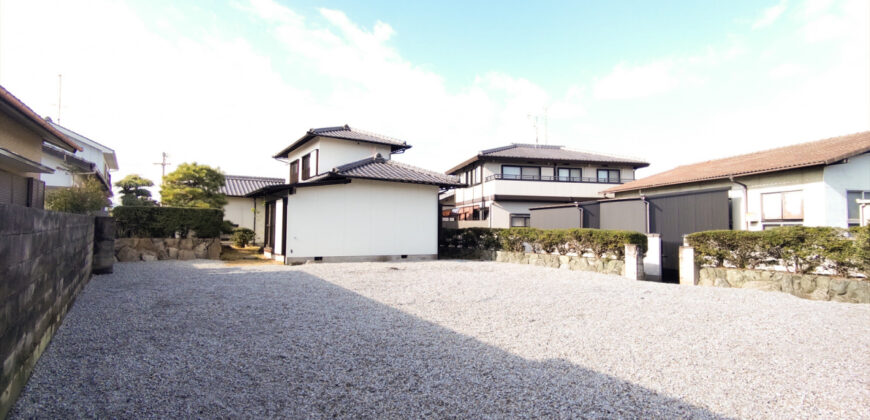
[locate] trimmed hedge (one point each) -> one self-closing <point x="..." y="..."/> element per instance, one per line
<point x="167" y="222"/>
<point x="602" y="243"/>
<point x="242" y="237"/>
<point x="799" y="248"/>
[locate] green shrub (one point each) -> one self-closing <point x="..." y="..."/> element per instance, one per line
<point x="799" y="248"/>
<point x="228" y="227"/>
<point x="85" y="199"/>
<point x="167" y="222"/>
<point x="602" y="243"/>
<point x="242" y="237"/>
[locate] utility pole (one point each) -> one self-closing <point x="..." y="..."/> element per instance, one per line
<point x="534" y="119"/>
<point x="163" y="163"/>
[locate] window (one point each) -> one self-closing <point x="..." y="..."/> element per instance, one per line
<point x="294" y="171"/>
<point x="782" y="206"/>
<point x="569" y="174"/>
<point x="520" y="220"/>
<point x="853" y="209"/>
<point x="477" y="172"/>
<point x="306" y="166"/>
<point x="511" y="172"/>
<point x="462" y="178"/>
<point x="608" y="175"/>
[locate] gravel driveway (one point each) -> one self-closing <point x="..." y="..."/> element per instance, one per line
<point x="443" y="339"/>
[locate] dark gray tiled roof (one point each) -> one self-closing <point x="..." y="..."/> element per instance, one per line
<point x="345" y="132"/>
<point x="239" y="186"/>
<point x="546" y="152"/>
<point x="377" y="167"/>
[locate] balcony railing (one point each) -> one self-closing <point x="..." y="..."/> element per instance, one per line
<point x="559" y="179"/>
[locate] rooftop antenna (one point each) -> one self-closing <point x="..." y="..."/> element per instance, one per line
<point x="59" y="90"/>
<point x="534" y="119"/>
<point x="163" y="163"/>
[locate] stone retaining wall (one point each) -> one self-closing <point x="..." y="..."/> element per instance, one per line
<point x="45" y="261"/>
<point x="807" y="286"/>
<point x="568" y="262"/>
<point x="153" y="249"/>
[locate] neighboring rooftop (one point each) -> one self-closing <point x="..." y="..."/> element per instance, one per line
<point x="22" y="113"/>
<point x="820" y="152"/>
<point x="108" y="152"/>
<point x="378" y="168"/>
<point x="240" y="186"/>
<point x="519" y="151"/>
<point x="345" y="132"/>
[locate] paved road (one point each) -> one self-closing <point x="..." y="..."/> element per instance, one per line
<point x="442" y="339"/>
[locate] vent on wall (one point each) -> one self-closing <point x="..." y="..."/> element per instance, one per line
<point x="318" y="258"/>
<point x="404" y="256"/>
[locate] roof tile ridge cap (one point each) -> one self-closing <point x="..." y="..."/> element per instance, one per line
<point x="251" y="177"/>
<point x="376" y="158"/>
<point x="373" y="134"/>
<point x="593" y="152"/>
<point x="540" y="146"/>
<point x="419" y="169"/>
<point x="497" y="149"/>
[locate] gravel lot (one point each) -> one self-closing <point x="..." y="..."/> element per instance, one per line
<point x="443" y="339"/>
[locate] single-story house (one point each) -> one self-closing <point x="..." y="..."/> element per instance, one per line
<point x="816" y="183"/>
<point x="345" y="199"/>
<point x="244" y="211"/>
<point x="22" y="134"/>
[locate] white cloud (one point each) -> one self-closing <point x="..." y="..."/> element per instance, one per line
<point x="770" y="15"/>
<point x="626" y="82"/>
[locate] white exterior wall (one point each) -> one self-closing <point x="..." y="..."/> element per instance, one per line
<point x="851" y="176"/>
<point x="335" y="152"/>
<point x="239" y="210"/>
<point x="60" y="177"/>
<point x="363" y="218"/>
<point x="279" y="229"/>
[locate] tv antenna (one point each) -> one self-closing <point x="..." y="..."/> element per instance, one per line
<point x="59" y="90"/>
<point x="534" y="119"/>
<point x="163" y="163"/>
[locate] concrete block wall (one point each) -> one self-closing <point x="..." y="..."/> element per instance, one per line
<point x="45" y="261"/>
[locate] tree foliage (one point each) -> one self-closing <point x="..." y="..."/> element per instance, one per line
<point x="85" y="199"/>
<point x="133" y="191"/>
<point x="193" y="185"/>
<point x="602" y="243"/>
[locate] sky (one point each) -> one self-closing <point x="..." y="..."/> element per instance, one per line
<point x="230" y="83"/>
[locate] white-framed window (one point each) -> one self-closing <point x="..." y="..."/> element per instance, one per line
<point x="782" y="206"/>
<point x="610" y="176"/>
<point x="853" y="210"/>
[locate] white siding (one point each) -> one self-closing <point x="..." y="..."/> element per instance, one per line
<point x="851" y="176"/>
<point x="279" y="227"/>
<point x="239" y="210"/>
<point x="363" y="218"/>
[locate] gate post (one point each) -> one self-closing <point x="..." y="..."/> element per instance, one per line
<point x="689" y="270"/>
<point x="633" y="263"/>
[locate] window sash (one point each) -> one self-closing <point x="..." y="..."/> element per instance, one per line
<point x="306" y="167"/>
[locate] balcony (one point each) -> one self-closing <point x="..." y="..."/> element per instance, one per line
<point x="558" y="179"/>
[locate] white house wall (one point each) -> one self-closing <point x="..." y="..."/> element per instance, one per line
<point x="279" y="229"/>
<point x="363" y="218"/>
<point x="239" y="210"/>
<point x="60" y="177"/>
<point x="838" y="179"/>
<point x="335" y="152"/>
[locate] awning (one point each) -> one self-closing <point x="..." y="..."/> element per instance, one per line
<point x="16" y="162"/>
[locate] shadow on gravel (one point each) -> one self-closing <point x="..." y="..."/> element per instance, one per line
<point x="170" y="340"/>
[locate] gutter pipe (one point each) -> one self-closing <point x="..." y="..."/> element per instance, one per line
<point x="745" y="201"/>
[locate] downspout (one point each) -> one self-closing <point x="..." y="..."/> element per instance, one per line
<point x="745" y="201"/>
<point x="581" y="214"/>
<point x="254" y="199"/>
<point x="646" y="211"/>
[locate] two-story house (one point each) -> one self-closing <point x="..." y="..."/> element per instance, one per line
<point x="346" y="200"/>
<point x="22" y="134"/>
<point x="503" y="183"/>
<point x="94" y="160"/>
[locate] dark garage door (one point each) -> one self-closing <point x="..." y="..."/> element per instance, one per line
<point x="675" y="215"/>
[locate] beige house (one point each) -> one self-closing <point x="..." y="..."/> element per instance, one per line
<point x="22" y="134"/>
<point x="244" y="211"/>
<point x="501" y="185"/>
<point x="817" y="183"/>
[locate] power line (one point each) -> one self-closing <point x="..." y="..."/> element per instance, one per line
<point x="163" y="163"/>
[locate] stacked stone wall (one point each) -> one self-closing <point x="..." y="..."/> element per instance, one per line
<point x="153" y="249"/>
<point x="807" y="286"/>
